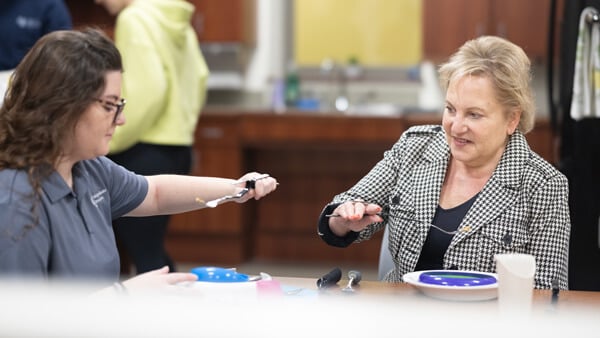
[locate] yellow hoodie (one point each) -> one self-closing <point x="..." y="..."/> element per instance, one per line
<point x="164" y="78"/>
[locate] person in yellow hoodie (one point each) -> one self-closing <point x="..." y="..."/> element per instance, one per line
<point x="164" y="80"/>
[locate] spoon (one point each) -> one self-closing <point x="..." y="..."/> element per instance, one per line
<point x="249" y="185"/>
<point x="215" y="202"/>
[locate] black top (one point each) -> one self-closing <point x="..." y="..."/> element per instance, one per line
<point x="437" y="242"/>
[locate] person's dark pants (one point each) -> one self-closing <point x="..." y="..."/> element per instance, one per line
<point x="142" y="238"/>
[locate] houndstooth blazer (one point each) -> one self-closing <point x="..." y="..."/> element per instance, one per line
<point x="523" y="208"/>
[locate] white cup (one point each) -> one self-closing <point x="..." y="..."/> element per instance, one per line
<point x="515" y="283"/>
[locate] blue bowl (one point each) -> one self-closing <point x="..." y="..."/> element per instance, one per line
<point x="218" y="275"/>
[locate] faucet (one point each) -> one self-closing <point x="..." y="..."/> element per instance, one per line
<point x="341" y="74"/>
<point x="341" y="102"/>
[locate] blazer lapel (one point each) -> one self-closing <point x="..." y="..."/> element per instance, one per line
<point x="499" y="192"/>
<point x="428" y="179"/>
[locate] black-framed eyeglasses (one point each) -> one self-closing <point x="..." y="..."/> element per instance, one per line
<point x="118" y="107"/>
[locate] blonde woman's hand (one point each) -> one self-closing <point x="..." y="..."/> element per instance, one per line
<point x="353" y="216"/>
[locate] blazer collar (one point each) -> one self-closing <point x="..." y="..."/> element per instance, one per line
<point x="509" y="169"/>
<point x="500" y="191"/>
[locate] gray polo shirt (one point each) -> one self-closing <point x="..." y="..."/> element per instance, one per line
<point x="69" y="232"/>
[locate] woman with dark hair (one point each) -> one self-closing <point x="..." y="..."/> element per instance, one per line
<point x="58" y="191"/>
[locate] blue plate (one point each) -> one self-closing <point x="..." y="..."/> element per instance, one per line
<point x="454" y="285"/>
<point x="456" y="278"/>
<point x="218" y="275"/>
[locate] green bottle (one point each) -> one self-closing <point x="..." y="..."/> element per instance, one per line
<point x="292" y="88"/>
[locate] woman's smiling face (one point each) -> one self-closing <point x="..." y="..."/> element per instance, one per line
<point x="477" y="126"/>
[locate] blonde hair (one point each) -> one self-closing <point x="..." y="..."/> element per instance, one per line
<point x="505" y="64"/>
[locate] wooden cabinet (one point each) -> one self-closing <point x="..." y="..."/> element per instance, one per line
<point x="314" y="156"/>
<point x="524" y="23"/>
<point x="447" y="24"/>
<point x="212" y="235"/>
<point x="225" y="21"/>
<point x="222" y="21"/>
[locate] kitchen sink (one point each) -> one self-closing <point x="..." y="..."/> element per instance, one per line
<point x="376" y="109"/>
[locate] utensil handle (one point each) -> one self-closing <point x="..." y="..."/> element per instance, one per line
<point x="251" y="183"/>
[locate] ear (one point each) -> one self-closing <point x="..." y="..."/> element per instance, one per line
<point x="514" y="116"/>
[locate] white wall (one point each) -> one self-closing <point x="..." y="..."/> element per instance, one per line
<point x="267" y="59"/>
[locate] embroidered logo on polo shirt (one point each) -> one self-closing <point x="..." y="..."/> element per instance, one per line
<point x="28" y="22"/>
<point x="97" y="197"/>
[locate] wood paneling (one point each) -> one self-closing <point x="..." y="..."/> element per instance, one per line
<point x="447" y="24"/>
<point x="225" y="21"/>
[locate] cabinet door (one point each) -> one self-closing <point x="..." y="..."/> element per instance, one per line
<point x="447" y="24"/>
<point x="524" y="23"/>
<point x="217" y="153"/>
<point x="223" y="20"/>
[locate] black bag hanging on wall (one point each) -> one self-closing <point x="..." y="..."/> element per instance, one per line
<point x="579" y="151"/>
